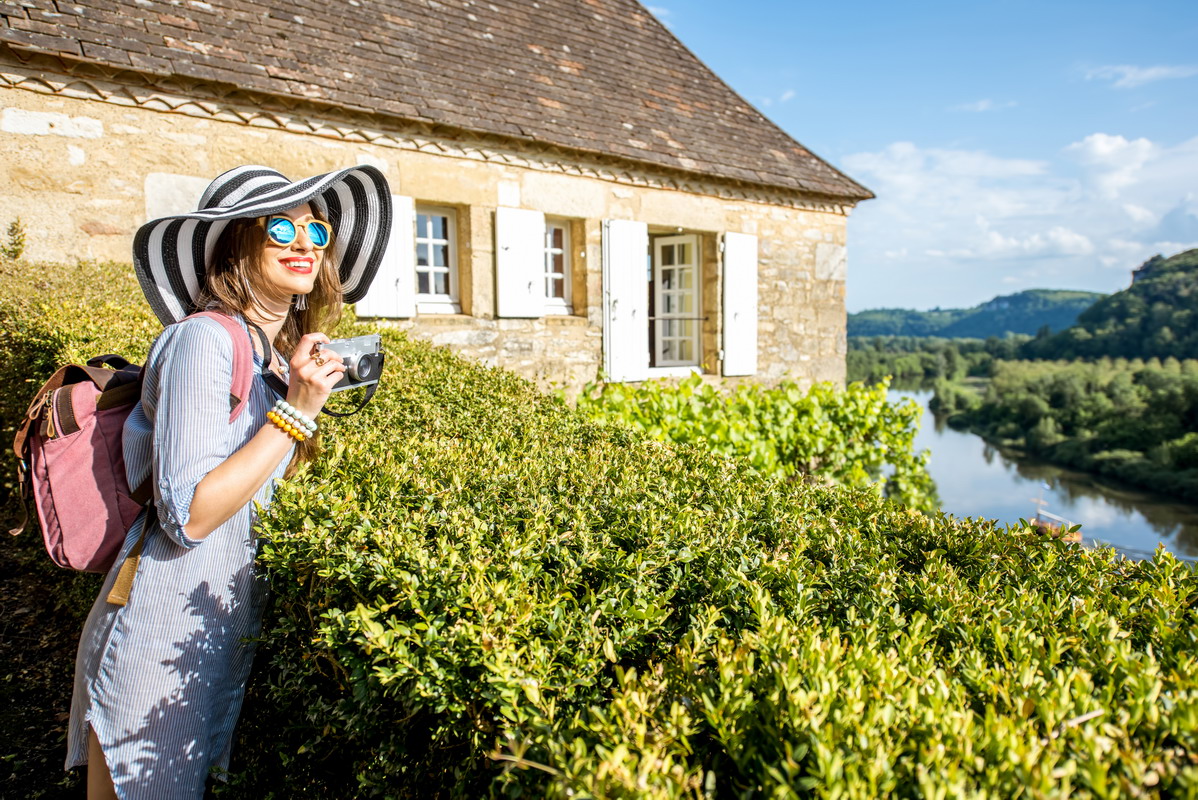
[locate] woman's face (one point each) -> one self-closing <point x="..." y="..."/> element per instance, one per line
<point x="291" y="269"/>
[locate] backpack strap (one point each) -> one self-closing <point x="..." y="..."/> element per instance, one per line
<point x="118" y="595"/>
<point x="243" y="361"/>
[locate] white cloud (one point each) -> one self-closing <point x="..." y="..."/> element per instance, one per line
<point x="992" y="244"/>
<point x="984" y="105"/>
<point x="962" y="221"/>
<point x="786" y="96"/>
<point x="1115" y="161"/>
<point x="1139" y="213"/>
<point x="1127" y="76"/>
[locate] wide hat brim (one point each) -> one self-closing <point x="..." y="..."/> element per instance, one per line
<point x="170" y="254"/>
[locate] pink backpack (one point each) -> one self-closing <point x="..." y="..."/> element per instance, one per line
<point x="70" y="459"/>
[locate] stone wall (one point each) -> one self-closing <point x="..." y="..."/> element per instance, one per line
<point x="83" y="166"/>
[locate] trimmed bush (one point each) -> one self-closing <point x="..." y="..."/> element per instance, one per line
<point x="480" y="592"/>
<point x="843" y="435"/>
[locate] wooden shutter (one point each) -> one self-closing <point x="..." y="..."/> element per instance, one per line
<point x="740" y="304"/>
<point x="625" y="300"/>
<point x="519" y="262"/>
<point x="393" y="292"/>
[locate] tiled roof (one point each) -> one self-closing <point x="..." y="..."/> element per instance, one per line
<point x="599" y="76"/>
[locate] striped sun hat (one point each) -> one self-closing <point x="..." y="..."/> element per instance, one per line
<point x="170" y="254"/>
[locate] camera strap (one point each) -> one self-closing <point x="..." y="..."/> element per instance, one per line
<point x="370" y="390"/>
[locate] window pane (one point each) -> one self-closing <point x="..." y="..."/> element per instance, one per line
<point x="685" y="350"/>
<point x="686" y="278"/>
<point x="422" y="282"/>
<point x="684" y="253"/>
<point x="667" y="255"/>
<point x="440" y="255"/>
<point x="556" y="236"/>
<point x="686" y="328"/>
<point x="558" y="263"/>
<point x="422" y="255"/>
<point x="442" y="282"/>
<point x="559" y="288"/>
<point x="667" y="279"/>
<point x="687" y="303"/>
<point x="667" y="350"/>
<point x="422" y="226"/>
<point x="440" y="226"/>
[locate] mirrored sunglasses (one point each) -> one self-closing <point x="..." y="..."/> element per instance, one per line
<point x="282" y="231"/>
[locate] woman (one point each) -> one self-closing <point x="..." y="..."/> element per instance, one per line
<point x="159" y="681"/>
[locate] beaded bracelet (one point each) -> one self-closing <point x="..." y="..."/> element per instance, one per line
<point x="291" y="421"/>
<point x="286" y="425"/>
<point x="299" y="419"/>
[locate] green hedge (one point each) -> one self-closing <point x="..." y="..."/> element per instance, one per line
<point x="850" y="435"/>
<point x="478" y="592"/>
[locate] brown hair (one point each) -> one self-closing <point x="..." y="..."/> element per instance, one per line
<point x="229" y="284"/>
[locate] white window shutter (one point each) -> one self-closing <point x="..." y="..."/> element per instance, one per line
<point x="740" y="304"/>
<point x="626" y="300"/>
<point x="519" y="262"/>
<point x="393" y="292"/>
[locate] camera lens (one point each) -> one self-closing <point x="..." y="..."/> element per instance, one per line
<point x="367" y="368"/>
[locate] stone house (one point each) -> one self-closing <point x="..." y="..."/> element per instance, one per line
<point x="578" y="192"/>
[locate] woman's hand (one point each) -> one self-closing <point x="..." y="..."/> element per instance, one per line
<point x="312" y="382"/>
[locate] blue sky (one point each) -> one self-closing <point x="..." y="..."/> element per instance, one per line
<point x="1012" y="144"/>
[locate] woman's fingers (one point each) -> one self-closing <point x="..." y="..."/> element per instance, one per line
<point x="307" y="350"/>
<point x="314" y="373"/>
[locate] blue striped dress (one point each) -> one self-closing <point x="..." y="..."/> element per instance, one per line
<point x="161" y="679"/>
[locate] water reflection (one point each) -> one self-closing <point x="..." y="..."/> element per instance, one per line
<point x="976" y="479"/>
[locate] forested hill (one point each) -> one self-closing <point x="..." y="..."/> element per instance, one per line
<point x="1024" y="312"/>
<point x="1154" y="317"/>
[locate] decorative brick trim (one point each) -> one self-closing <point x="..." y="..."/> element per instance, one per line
<point x="47" y="74"/>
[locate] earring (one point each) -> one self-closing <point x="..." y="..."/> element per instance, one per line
<point x="301" y="302"/>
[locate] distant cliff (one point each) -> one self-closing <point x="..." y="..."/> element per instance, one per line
<point x="1155" y="317"/>
<point x="1025" y="312"/>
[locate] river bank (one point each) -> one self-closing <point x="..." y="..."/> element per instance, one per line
<point x="975" y="478"/>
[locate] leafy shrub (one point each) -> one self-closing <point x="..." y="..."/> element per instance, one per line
<point x="480" y="592"/>
<point x="845" y="435"/>
<point x="14" y="245"/>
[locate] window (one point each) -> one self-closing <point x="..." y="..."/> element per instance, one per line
<point x="557" y="267"/>
<point x="674" y="310"/>
<point x="436" y="261"/>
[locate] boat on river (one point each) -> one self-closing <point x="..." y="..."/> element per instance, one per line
<point x="1049" y="524"/>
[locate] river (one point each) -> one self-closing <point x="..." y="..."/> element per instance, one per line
<point x="977" y="479"/>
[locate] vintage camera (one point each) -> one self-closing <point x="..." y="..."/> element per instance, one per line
<point x="363" y="359"/>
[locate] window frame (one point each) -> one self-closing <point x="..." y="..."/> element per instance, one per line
<point x="435" y="303"/>
<point x="658" y="365"/>
<point x="558" y="306"/>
